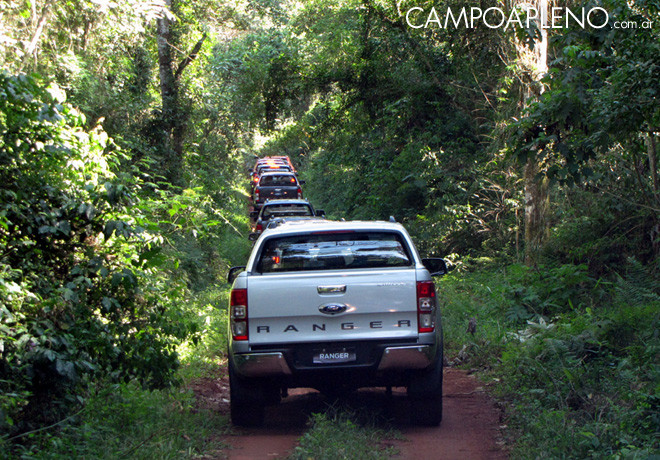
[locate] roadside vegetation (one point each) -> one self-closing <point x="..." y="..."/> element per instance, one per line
<point x="341" y="434"/>
<point x="123" y="203"/>
<point x="582" y="378"/>
<point x="126" y="421"/>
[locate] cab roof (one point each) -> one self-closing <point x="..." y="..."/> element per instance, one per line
<point x="321" y="225"/>
<point x="271" y="201"/>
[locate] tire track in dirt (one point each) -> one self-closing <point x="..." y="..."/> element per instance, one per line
<point x="469" y="429"/>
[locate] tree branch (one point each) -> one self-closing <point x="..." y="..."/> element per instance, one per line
<point x="191" y="57"/>
<point x="32" y="46"/>
<point x="417" y="49"/>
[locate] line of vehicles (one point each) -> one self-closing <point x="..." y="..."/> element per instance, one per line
<point x="330" y="305"/>
<point x="277" y="195"/>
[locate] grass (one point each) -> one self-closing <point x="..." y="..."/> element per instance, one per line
<point x="462" y="296"/>
<point x="341" y="434"/>
<point x="125" y="421"/>
<point x="576" y="360"/>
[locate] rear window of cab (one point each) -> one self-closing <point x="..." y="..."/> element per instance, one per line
<point x="334" y="251"/>
<point x="293" y="209"/>
<point x="278" y="180"/>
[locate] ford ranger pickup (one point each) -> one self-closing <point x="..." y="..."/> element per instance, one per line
<point x="334" y="306"/>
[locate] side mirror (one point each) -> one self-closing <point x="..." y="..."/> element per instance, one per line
<point x="233" y="273"/>
<point x="253" y="236"/>
<point x="436" y="266"/>
<point x="320" y="213"/>
<point x="301" y="182"/>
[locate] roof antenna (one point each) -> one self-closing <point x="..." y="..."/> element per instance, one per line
<point x="392" y="219"/>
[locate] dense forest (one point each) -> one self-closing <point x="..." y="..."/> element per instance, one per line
<point x="525" y="154"/>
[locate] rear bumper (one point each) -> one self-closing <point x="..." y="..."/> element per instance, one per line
<point x="261" y="364"/>
<point x="407" y="357"/>
<point x="394" y="358"/>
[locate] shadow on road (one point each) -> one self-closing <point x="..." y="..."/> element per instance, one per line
<point x="368" y="406"/>
<point x="469" y="429"/>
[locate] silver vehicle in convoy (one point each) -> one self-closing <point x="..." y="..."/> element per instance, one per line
<point x="272" y="210"/>
<point x="334" y="306"/>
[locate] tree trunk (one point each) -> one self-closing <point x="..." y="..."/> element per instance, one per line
<point x="536" y="187"/>
<point x="653" y="164"/>
<point x="169" y="92"/>
<point x="536" y="208"/>
<point x="174" y="119"/>
<point x="652" y="146"/>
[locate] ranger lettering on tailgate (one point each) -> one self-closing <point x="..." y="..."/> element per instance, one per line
<point x="343" y="326"/>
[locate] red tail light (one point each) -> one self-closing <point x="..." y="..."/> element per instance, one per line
<point x="238" y="314"/>
<point x="259" y="228"/>
<point x="299" y="192"/>
<point x="256" y="194"/>
<point x="426" y="305"/>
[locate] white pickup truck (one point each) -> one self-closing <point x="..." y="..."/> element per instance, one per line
<point x="334" y="306"/>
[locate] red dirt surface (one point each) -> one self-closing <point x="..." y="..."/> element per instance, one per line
<point x="469" y="429"/>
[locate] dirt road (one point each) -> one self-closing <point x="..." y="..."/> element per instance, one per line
<point x="469" y="428"/>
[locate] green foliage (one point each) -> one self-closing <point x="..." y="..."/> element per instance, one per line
<point x="580" y="390"/>
<point x="549" y="291"/>
<point x="380" y="121"/>
<point x="587" y="382"/>
<point x="126" y="421"/>
<point x="210" y="308"/>
<point x="374" y="135"/>
<point x="601" y="91"/>
<point x="83" y="296"/>
<point x="339" y="436"/>
<point x="261" y="75"/>
<point x="75" y="34"/>
<point x="594" y="225"/>
<point x="508" y="297"/>
<point x="104" y="270"/>
<point x="464" y="295"/>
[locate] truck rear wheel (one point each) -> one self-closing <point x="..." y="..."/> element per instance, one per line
<point x="425" y="396"/>
<point x="247" y="400"/>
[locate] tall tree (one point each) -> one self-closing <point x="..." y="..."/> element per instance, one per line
<point x="597" y="122"/>
<point x="533" y="56"/>
<point x="173" y="116"/>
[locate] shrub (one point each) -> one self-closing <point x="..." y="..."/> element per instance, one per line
<point x="80" y="296"/>
<point x="587" y="384"/>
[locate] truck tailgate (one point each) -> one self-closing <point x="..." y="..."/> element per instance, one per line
<point x="277" y="192"/>
<point x="332" y="305"/>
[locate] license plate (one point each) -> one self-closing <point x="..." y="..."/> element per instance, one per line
<point x="334" y="356"/>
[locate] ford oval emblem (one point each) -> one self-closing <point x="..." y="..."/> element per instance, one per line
<point x="332" y="308"/>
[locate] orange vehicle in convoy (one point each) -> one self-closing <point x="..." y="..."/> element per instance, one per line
<point x="286" y="160"/>
<point x="273" y="162"/>
<point x="270" y="164"/>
